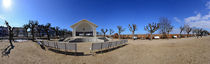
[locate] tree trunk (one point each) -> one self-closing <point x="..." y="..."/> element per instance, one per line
<point x="133" y="35"/>
<point x="10" y="37"/>
<point x="26" y="33"/>
<point x="32" y="32"/>
<point x="197" y="36"/>
<point x="150" y="36"/>
<point x="104" y="35"/>
<point x="40" y="35"/>
<point x="56" y="33"/>
<point x="168" y="35"/>
<point x="48" y="36"/>
<point x="118" y="35"/>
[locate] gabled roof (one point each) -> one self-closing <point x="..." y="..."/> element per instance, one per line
<point x="82" y="22"/>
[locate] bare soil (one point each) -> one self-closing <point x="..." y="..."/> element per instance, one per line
<point x="172" y="51"/>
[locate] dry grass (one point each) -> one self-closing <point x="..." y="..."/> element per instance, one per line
<point x="173" y="51"/>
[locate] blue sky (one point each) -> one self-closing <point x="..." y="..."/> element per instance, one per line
<point x="107" y="13"/>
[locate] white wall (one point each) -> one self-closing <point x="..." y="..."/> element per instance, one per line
<point x="84" y="27"/>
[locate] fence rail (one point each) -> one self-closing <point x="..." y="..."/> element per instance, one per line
<point x="73" y="46"/>
<point x="60" y="46"/>
<point x="106" y="45"/>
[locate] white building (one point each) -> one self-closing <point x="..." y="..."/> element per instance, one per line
<point x="84" y="28"/>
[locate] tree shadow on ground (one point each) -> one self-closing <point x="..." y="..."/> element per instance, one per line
<point x="7" y="50"/>
<point x="43" y="48"/>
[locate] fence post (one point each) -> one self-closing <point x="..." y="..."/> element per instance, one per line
<point x="101" y="48"/>
<point x="48" y="43"/>
<point x="75" y="49"/>
<point x="65" y="48"/>
<point x="91" y="50"/>
<point x="55" y="45"/>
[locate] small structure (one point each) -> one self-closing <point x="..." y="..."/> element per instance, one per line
<point x="84" y="31"/>
<point x="157" y="37"/>
<point x="174" y="36"/>
<point x="84" y="28"/>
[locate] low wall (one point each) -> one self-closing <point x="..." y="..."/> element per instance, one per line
<point x="147" y="36"/>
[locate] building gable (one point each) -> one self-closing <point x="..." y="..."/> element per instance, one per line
<point x="83" y="21"/>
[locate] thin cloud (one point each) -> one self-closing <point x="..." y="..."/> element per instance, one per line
<point x="199" y="21"/>
<point x="175" y="31"/>
<point x="208" y="5"/>
<point x="2" y="18"/>
<point x="177" y="19"/>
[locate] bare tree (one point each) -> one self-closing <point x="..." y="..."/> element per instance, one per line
<point x="47" y="28"/>
<point x="196" y="32"/>
<point x="104" y="32"/>
<point x="133" y="28"/>
<point x="39" y="30"/>
<point x="187" y="29"/>
<point x="57" y="30"/>
<point x="54" y="33"/>
<point x="32" y="25"/>
<point x="62" y="32"/>
<point x="165" y="26"/>
<point x="26" y="26"/>
<point x="169" y="29"/>
<point x="181" y="30"/>
<point x="201" y="32"/>
<point x="151" y="28"/>
<point x="8" y="49"/>
<point x="120" y="30"/>
<point x="111" y="32"/>
<point x="10" y="33"/>
<point x="205" y="32"/>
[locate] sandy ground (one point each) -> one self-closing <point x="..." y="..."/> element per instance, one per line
<point x="172" y="51"/>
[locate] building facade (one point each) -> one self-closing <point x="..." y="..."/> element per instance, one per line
<point x="84" y="28"/>
<point x="3" y="31"/>
<point x="19" y="32"/>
